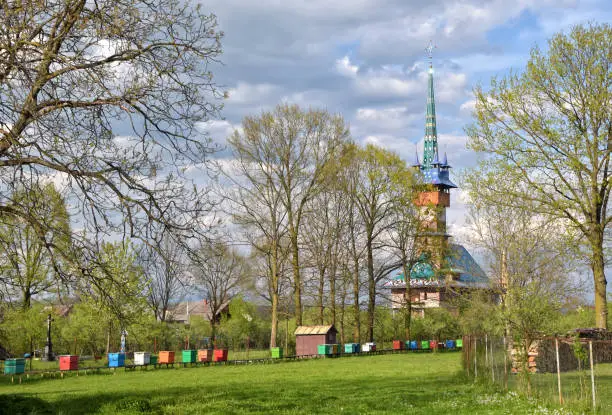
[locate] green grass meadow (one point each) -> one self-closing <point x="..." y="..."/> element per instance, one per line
<point x="401" y="383"/>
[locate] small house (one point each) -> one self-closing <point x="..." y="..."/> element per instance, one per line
<point x="308" y="338"/>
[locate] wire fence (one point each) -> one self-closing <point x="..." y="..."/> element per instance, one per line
<point x="573" y="372"/>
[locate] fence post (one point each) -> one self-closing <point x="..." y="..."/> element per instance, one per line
<point x="475" y="363"/>
<point x="592" y="376"/>
<point x="558" y="371"/>
<point x="505" y="364"/>
<point x="492" y="363"/>
<point x="486" y="350"/>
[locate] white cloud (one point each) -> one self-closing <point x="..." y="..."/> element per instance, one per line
<point x="245" y="93"/>
<point x="345" y="68"/>
<point x="379" y="86"/>
<point x="468" y="107"/>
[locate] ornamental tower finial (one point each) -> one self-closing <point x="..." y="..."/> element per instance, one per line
<point x="430" y="148"/>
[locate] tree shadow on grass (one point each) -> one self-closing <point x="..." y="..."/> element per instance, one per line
<point x="361" y="395"/>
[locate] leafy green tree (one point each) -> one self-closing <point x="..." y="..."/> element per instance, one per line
<point x="29" y="265"/>
<point x="23" y="330"/>
<point x="547" y="133"/>
<point x="115" y="288"/>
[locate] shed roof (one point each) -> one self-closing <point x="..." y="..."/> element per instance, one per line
<point x="312" y="330"/>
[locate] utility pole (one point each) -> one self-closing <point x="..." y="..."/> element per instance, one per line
<point x="48" y="353"/>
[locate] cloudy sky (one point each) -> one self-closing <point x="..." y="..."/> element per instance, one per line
<point x="366" y="60"/>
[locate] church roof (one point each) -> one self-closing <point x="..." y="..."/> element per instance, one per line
<point x="460" y="262"/>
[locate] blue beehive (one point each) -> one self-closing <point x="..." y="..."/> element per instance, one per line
<point x="116" y="359"/>
<point x="450" y="344"/>
<point x="414" y="345"/>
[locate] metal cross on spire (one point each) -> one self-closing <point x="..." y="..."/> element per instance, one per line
<point x="429" y="49"/>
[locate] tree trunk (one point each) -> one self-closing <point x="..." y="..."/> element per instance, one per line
<point x="332" y="292"/>
<point x="407" y="300"/>
<point x="320" y="296"/>
<point x="297" y="281"/>
<point x="213" y="331"/>
<point x="371" y="290"/>
<point x="599" y="277"/>
<point x="108" y="338"/>
<point x="274" y="328"/>
<point x="357" y="333"/>
<point x="274" y="292"/>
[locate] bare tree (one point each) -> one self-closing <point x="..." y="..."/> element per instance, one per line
<point x="372" y="187"/>
<point x="218" y="270"/>
<point x="165" y="266"/>
<point x="294" y="148"/>
<point x="105" y="97"/>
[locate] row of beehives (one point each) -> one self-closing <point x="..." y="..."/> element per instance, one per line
<point x="427" y="344"/>
<point x="71" y="362"/>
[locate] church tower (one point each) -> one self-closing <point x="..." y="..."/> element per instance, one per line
<point x="442" y="269"/>
<point x="434" y="198"/>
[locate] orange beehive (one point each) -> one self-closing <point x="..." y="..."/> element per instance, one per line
<point x="220" y="355"/>
<point x="398" y="345"/>
<point x="69" y="362"/>
<point x="166" y="357"/>
<point x="205" y="355"/>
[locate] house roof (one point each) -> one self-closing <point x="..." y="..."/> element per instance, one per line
<point x="460" y="263"/>
<point x="312" y="330"/>
<point x="183" y="310"/>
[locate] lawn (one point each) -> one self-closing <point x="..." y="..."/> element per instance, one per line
<point x="401" y="383"/>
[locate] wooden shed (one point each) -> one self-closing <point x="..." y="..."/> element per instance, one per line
<point x="308" y="338"/>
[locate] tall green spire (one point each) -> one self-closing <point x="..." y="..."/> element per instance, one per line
<point x="430" y="149"/>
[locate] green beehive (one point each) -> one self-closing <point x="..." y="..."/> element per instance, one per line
<point x="14" y="366"/>
<point x="190" y="356"/>
<point x="153" y="360"/>
<point x="277" y="352"/>
<point x="459" y="343"/>
<point x="324" y="349"/>
<point x="424" y="344"/>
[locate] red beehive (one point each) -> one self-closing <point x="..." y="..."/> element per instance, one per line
<point x="205" y="355"/>
<point x="166" y="357"/>
<point x="69" y="362"/>
<point x="398" y="345"/>
<point x="220" y="355"/>
<point x="433" y="344"/>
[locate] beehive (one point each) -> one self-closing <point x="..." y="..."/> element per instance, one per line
<point x="189" y="356"/>
<point x="324" y="349"/>
<point x="205" y="355"/>
<point x="116" y="359"/>
<point x="277" y="352"/>
<point x="166" y="357"/>
<point x="351" y="348"/>
<point x="153" y="360"/>
<point x="398" y="345"/>
<point x="14" y="366"/>
<point x="425" y="345"/>
<point x="220" y="355"/>
<point x="142" y="358"/>
<point x="69" y="362"/>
